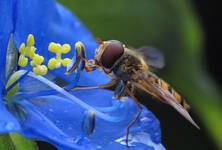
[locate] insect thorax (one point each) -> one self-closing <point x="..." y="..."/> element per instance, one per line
<point x="128" y="67"/>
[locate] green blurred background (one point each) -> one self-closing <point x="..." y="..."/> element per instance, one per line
<point x="173" y="27"/>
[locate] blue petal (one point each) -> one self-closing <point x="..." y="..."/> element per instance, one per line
<point x="103" y="98"/>
<point x="37" y="125"/>
<point x="67" y="117"/>
<point x="52" y="118"/>
<point x="6" y="27"/>
<point x="7" y="122"/>
<point x="56" y="24"/>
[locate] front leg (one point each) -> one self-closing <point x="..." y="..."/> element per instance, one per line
<point x="103" y="86"/>
<point x="90" y="65"/>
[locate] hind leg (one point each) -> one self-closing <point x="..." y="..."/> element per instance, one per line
<point x="136" y="117"/>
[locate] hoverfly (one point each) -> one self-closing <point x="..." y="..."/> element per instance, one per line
<point x="131" y="69"/>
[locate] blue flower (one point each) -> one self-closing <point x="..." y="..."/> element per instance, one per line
<point x="38" y="108"/>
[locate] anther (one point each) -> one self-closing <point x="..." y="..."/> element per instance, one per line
<point x="38" y="68"/>
<point x="57" y="61"/>
<point x="26" y="51"/>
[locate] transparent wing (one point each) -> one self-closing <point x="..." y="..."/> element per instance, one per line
<point x="159" y="89"/>
<point x="170" y="99"/>
<point x="152" y="56"/>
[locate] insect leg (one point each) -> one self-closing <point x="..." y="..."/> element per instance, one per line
<point x="103" y="86"/>
<point x="90" y="65"/>
<point x="136" y="117"/>
<point x="120" y="90"/>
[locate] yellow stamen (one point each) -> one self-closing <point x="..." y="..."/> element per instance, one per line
<point x="57" y="61"/>
<point x="30" y="40"/>
<point x="26" y="51"/>
<point x="79" y="46"/>
<point x="66" y="62"/>
<point x="23" y="61"/>
<point x="38" y="68"/>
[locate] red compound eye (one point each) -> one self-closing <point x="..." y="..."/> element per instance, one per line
<point x="112" y="53"/>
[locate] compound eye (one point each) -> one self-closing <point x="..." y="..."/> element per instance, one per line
<point x="112" y="53"/>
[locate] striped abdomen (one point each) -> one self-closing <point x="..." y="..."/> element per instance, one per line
<point x="153" y="79"/>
